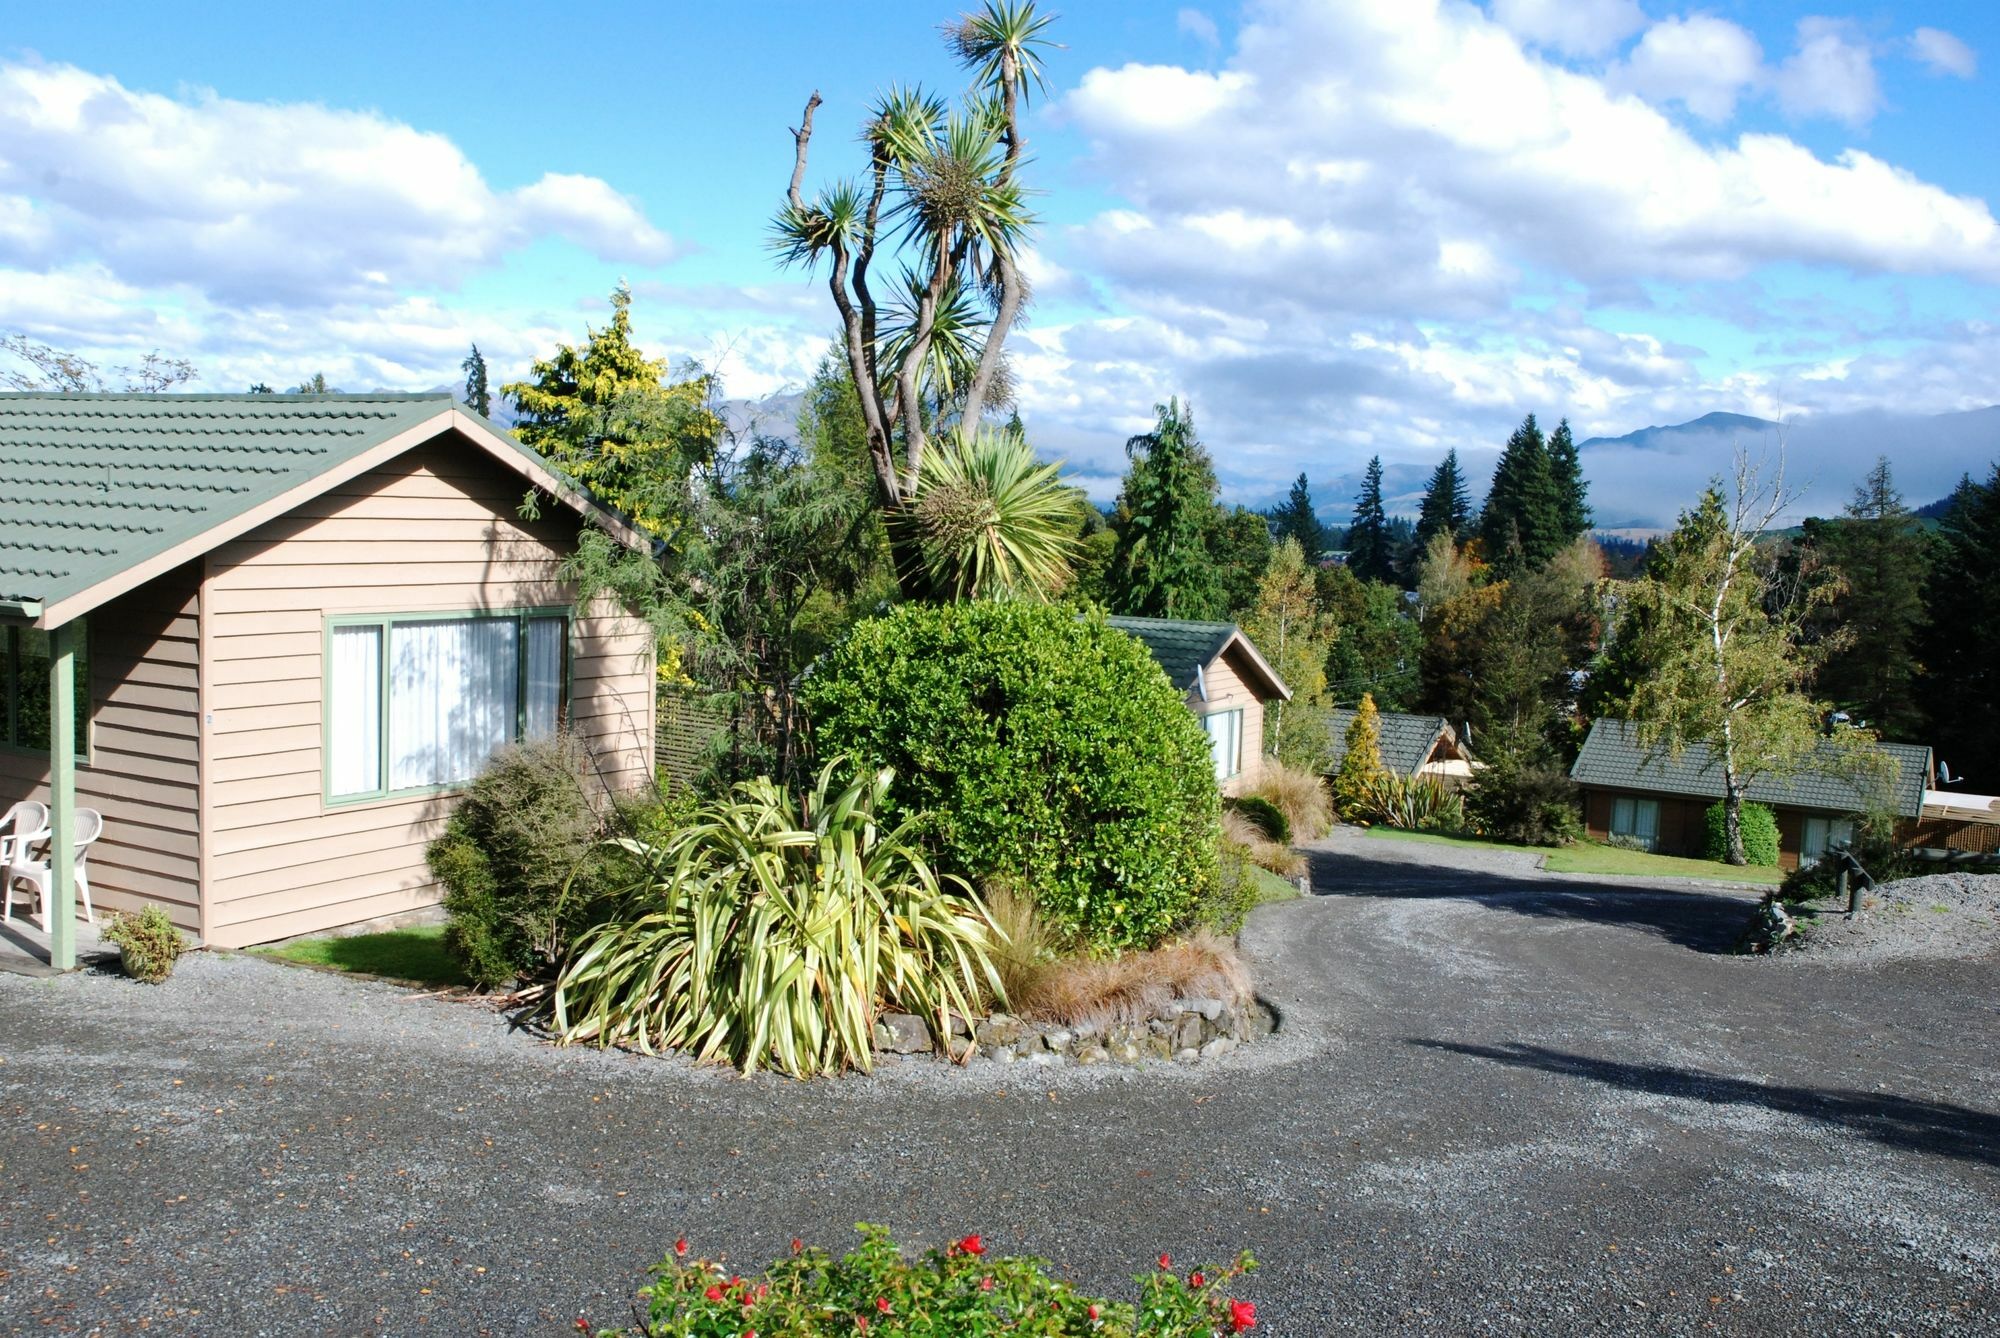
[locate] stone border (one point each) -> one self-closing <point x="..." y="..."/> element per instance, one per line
<point x="1181" y="1030"/>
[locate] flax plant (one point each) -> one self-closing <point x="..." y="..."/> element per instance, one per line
<point x="770" y="931"/>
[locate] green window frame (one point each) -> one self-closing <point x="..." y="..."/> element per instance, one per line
<point x="386" y="625"/>
<point x="24" y="691"/>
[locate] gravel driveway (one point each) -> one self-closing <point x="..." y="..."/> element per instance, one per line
<point x="1501" y="1101"/>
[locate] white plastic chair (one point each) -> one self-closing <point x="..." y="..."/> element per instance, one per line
<point x="21" y="826"/>
<point x="24" y="868"/>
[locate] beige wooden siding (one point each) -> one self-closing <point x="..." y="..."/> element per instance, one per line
<point x="1228" y="692"/>
<point x="437" y="530"/>
<point x="142" y="771"/>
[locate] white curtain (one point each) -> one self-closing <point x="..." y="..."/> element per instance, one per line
<point x="1225" y="741"/>
<point x="545" y="676"/>
<point x="453" y="697"/>
<point x="354" y="715"/>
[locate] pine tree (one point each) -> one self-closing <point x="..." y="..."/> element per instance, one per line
<point x="1883" y="555"/>
<point x="1961" y="646"/>
<point x="1571" y="490"/>
<point x="1370" y="553"/>
<point x="1297" y="521"/>
<point x="1167" y="514"/>
<point x="478" y="396"/>
<point x="1446" y="509"/>
<point x="1522" y="522"/>
<point x="1360" y="762"/>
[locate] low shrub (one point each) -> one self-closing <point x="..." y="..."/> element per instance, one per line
<point x="1299" y="794"/>
<point x="1249" y="842"/>
<point x="1269" y="820"/>
<point x="959" y="1290"/>
<point x="148" y="944"/>
<point x="524" y="860"/>
<point x="769" y="931"/>
<point x="1047" y="749"/>
<point x="1760" y="835"/>
<point x="1411" y="803"/>
<point x="1528" y="802"/>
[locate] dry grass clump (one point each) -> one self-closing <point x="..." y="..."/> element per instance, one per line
<point x="1300" y="795"/>
<point x="1130" y="988"/>
<point x="1282" y="860"/>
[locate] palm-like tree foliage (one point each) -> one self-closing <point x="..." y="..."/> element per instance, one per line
<point x="992" y="522"/>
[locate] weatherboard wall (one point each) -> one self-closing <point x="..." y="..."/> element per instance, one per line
<point x="435" y="530"/>
<point x="1227" y="691"/>
<point x="141" y="767"/>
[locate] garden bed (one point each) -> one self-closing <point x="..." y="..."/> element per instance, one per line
<point x="1180" y="1030"/>
<point x="1939" y="915"/>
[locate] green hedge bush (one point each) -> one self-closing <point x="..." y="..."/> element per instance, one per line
<point x="1048" y="750"/>
<point x="1528" y="801"/>
<point x="1760" y="835"/>
<point x="1265" y="816"/>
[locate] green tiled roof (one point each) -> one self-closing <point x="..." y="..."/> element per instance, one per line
<point x="1180" y="647"/>
<point x="92" y="485"/>
<point x="1612" y="757"/>
<point x="1406" y="739"/>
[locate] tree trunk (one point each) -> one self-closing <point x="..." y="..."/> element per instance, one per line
<point x="1732" y="818"/>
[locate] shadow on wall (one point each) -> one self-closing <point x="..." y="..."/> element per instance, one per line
<point x="1894" y="1121"/>
<point x="1710" y="922"/>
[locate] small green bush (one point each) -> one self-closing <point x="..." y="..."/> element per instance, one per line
<point x="148" y="944"/>
<point x="524" y="860"/>
<point x="1530" y="802"/>
<point x="1049" y="751"/>
<point x="1760" y="835"/>
<point x="958" y="1290"/>
<point x="1265" y="816"/>
<point x="1411" y="803"/>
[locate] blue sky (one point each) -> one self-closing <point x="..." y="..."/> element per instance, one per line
<point x="1342" y="228"/>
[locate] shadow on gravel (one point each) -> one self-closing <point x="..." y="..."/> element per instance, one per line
<point x="1899" y="1122"/>
<point x="1703" y="921"/>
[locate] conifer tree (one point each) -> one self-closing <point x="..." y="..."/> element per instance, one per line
<point x="1522" y="522"/>
<point x="1166" y="516"/>
<point x="1961" y="646"/>
<point x="1297" y="521"/>
<point x="1446" y="508"/>
<point x="478" y="395"/>
<point x="1369" y="550"/>
<point x="1882" y="555"/>
<point x="1572" y="492"/>
<point x="1360" y="762"/>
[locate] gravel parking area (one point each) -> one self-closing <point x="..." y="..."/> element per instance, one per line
<point x="1501" y="1102"/>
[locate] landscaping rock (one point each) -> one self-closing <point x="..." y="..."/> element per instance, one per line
<point x="1092" y="1054"/>
<point x="1218" y="1047"/>
<point x="903" y="1033"/>
<point x="1210" y="1009"/>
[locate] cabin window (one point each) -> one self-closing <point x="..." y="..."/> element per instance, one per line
<point x="1225" y="741"/>
<point x="1637" y="820"/>
<point x="420" y="702"/>
<point x="24" y="689"/>
<point x="1821" y="835"/>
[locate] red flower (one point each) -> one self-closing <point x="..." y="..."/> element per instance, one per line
<point x="861" y="1323"/>
<point x="972" y="1245"/>
<point x="582" y="1324"/>
<point x="1195" y="1279"/>
<point x="681" y="1246"/>
<point x="1242" y="1315"/>
<point x="1166" y="1262"/>
<point x="797" y="1245"/>
<point x="986" y="1284"/>
<point x="1092" y="1312"/>
<point x="882" y="1304"/>
<point x="714" y="1293"/>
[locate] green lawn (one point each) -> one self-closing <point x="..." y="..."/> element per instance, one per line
<point x="416" y="954"/>
<point x="1590" y="857"/>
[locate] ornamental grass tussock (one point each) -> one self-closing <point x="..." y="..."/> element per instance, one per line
<point x="957" y="1291"/>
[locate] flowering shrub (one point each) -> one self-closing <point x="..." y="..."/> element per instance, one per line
<point x="958" y="1291"/>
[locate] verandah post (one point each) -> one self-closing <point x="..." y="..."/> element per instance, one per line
<point x="61" y="909"/>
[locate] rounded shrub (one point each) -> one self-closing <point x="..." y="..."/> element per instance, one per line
<point x="1265" y="816"/>
<point x="1045" y="749"/>
<point x="1760" y="835"/>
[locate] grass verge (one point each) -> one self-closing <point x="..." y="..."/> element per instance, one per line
<point x="1591" y="857"/>
<point x="416" y="954"/>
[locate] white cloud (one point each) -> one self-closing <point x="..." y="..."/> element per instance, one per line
<point x="1199" y="26"/>
<point x="1831" y="74"/>
<point x="1577" y="27"/>
<point x="269" y="202"/>
<point x="1944" y="53"/>
<point x="1702" y="62"/>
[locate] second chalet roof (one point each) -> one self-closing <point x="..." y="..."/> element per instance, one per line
<point x="1184" y="648"/>
<point x="1406" y="740"/>
<point x="93" y="487"/>
<point x="1612" y="757"/>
